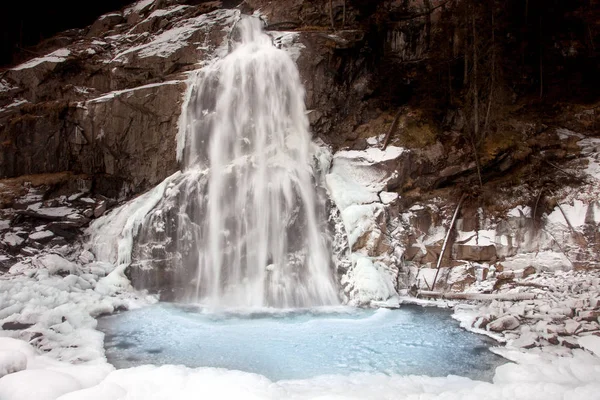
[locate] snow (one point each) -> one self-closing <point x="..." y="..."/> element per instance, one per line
<point x="289" y="41"/>
<point x="388" y="197"/>
<point x="15" y="103"/>
<point x="116" y="93"/>
<point x="109" y="15"/>
<point x="591" y="343"/>
<point x="166" y="11"/>
<point x="57" y="56"/>
<point x="5" y="86"/>
<point x="139" y="6"/>
<point x="575" y="214"/>
<point x="104" y="391"/>
<point x="543" y="261"/>
<point x="169" y="41"/>
<point x="52" y="212"/>
<point x="12" y="239"/>
<point x="520" y="212"/>
<point x="373" y="155"/>
<point x="537" y="379"/>
<point x="54" y="264"/>
<point x="41" y="235"/>
<point x="37" y="384"/>
<point x="12" y="361"/>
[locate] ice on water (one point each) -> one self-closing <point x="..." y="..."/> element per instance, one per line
<point x="300" y="344"/>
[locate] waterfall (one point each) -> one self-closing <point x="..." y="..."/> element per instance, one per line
<point x="253" y="209"/>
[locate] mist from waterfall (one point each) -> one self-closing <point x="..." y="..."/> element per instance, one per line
<point x="257" y="226"/>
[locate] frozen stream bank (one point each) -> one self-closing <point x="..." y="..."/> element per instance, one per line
<point x="300" y="344"/>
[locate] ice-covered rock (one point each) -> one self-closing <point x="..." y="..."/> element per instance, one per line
<point x="504" y="323"/>
<point x="367" y="281"/>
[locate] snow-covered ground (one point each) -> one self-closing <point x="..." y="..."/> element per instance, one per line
<point x="56" y="300"/>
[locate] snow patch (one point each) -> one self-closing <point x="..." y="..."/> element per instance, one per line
<point x="542" y="261"/>
<point x="55" y="57"/>
<point x="117" y="93"/>
<point x="168" y="42"/>
<point x="138" y="7"/>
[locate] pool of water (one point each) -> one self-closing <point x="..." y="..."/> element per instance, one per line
<point x="300" y="344"/>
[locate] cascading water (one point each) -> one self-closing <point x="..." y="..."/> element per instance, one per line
<point x="255" y="226"/>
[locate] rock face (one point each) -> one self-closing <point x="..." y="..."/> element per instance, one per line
<point x="108" y="103"/>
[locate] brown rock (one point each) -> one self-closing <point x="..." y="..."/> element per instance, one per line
<point x="529" y="271"/>
<point x="589" y="315"/>
<point x="475" y="253"/>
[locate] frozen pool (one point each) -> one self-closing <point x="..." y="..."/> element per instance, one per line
<point x="300" y="344"/>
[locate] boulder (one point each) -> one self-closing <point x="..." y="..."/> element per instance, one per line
<point x="505" y="323"/>
<point x="589" y="315"/>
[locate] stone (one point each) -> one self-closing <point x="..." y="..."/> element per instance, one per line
<point x="589" y="315"/>
<point x="572" y="326"/>
<point x="530" y="270"/>
<point x="100" y="209"/>
<point x="527" y="340"/>
<point x="42" y="236"/>
<point x="570" y="343"/>
<point x="86" y="257"/>
<point x="505" y="323"/>
<point x="15" y="326"/>
<point x="553" y="339"/>
<point x="557" y="329"/>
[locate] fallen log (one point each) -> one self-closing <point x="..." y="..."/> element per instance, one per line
<point x="477" y="296"/>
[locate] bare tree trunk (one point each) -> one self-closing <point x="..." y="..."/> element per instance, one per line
<point x="388" y="136"/>
<point x="541" y="63"/>
<point x="493" y="78"/>
<point x="477" y="296"/>
<point x="439" y="262"/>
<point x="344" y="16"/>
<point x="475" y="92"/>
<point x="331" y="14"/>
<point x="466" y="74"/>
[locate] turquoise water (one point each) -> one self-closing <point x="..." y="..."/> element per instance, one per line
<point x="299" y="344"/>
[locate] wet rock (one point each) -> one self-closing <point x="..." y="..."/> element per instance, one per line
<point x="505" y="323"/>
<point x="15" y="326"/>
<point x="100" y="209"/>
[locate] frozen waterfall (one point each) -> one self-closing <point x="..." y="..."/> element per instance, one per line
<point x="257" y="227"/>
